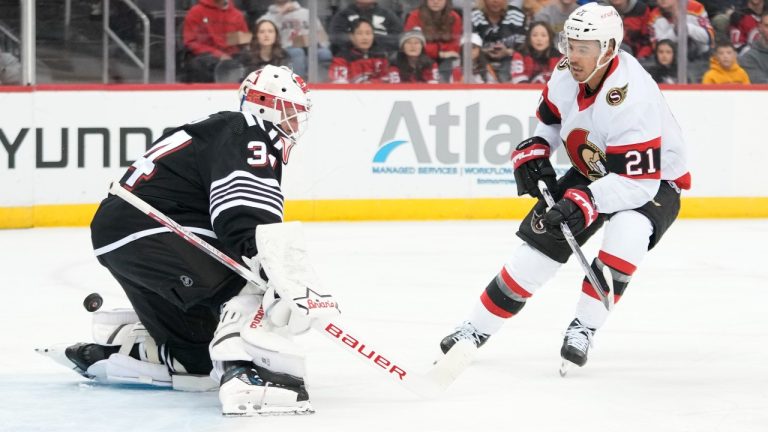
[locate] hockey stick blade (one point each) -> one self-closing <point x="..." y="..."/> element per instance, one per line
<point x="427" y="386"/>
<point x="601" y="291"/>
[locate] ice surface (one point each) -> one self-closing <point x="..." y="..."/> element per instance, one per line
<point x="686" y="349"/>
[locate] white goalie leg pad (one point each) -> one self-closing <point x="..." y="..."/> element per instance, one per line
<point x="273" y="349"/>
<point x="121" y="327"/>
<point x="227" y="345"/>
<point x="243" y="333"/>
<point x="112" y="327"/>
<point x="123" y="369"/>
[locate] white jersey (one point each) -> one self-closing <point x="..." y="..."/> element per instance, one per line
<point x="623" y="137"/>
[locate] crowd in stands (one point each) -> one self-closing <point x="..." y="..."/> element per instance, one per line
<point x="420" y="41"/>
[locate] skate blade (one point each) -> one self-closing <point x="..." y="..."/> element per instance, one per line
<point x="565" y="366"/>
<point x="57" y="354"/>
<point x="250" y="410"/>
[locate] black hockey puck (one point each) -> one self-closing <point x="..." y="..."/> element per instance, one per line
<point x="93" y="302"/>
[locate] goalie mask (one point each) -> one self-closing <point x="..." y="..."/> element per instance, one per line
<point x="279" y="96"/>
<point x="593" y="22"/>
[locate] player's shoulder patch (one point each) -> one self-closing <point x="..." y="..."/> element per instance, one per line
<point x="616" y="95"/>
<point x="563" y="64"/>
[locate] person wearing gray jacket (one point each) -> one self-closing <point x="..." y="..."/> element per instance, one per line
<point x="10" y="69"/>
<point x="754" y="59"/>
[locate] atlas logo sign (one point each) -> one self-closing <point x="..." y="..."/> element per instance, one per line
<point x="450" y="141"/>
<point x="449" y="145"/>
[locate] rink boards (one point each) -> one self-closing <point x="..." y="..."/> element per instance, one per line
<point x="371" y="153"/>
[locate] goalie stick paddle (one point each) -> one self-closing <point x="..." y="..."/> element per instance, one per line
<point x="428" y="385"/>
<point x="601" y="291"/>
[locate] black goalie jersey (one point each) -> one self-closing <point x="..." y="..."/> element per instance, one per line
<point x="219" y="177"/>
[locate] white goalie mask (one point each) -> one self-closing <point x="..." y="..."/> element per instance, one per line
<point x="593" y="21"/>
<point x="279" y="96"/>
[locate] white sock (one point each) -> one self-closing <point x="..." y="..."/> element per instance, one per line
<point x="484" y="321"/>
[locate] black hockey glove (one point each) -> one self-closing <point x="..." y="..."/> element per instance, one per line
<point x="531" y="163"/>
<point x="577" y="209"/>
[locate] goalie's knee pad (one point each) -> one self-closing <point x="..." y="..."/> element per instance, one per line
<point x="244" y="334"/>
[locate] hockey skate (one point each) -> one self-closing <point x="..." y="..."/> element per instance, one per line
<point x="78" y="357"/>
<point x="576" y="343"/>
<point x="244" y="392"/>
<point x="466" y="331"/>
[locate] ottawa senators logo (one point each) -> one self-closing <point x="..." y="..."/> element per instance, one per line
<point x="585" y="156"/>
<point x="616" y="95"/>
<point x="563" y="64"/>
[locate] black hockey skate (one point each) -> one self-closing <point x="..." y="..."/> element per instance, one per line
<point x="80" y="356"/>
<point x="576" y="343"/>
<point x="466" y="331"/>
<point x="247" y="390"/>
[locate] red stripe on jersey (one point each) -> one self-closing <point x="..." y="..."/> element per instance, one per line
<point x="654" y="143"/>
<point x="492" y="308"/>
<point x="587" y="289"/>
<point x="617" y="263"/>
<point x="616" y="299"/>
<point x="514" y="286"/>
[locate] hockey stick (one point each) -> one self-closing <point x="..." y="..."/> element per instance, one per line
<point x="428" y="385"/>
<point x="605" y="296"/>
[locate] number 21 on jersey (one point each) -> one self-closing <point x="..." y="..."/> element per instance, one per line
<point x="637" y="161"/>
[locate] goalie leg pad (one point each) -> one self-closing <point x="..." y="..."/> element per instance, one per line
<point x="244" y="334"/>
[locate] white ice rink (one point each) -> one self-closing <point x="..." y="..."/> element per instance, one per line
<point x="686" y="349"/>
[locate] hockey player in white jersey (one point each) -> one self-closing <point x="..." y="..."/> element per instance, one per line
<point x="192" y="318"/>
<point x="628" y="167"/>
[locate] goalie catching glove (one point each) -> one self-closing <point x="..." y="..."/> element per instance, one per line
<point x="294" y="296"/>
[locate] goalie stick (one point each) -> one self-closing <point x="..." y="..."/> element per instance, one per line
<point x="601" y="291"/>
<point x="427" y="385"/>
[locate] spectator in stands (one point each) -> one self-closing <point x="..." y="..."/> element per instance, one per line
<point x="664" y="68"/>
<point x="386" y="25"/>
<point x="744" y="24"/>
<point x="266" y="48"/>
<point x="412" y="64"/>
<point x="724" y="69"/>
<point x="636" y="16"/>
<point x="214" y="30"/>
<point x="555" y="13"/>
<point x="538" y="58"/>
<point x="442" y="29"/>
<point x="482" y="72"/>
<point x="10" y="69"/>
<point x="362" y="61"/>
<point x="293" y="22"/>
<point x="700" y="32"/>
<point x="754" y="59"/>
<point x="502" y="29"/>
<point x="532" y="7"/>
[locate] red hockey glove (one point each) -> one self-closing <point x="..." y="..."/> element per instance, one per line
<point x="577" y="209"/>
<point x="531" y="163"/>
